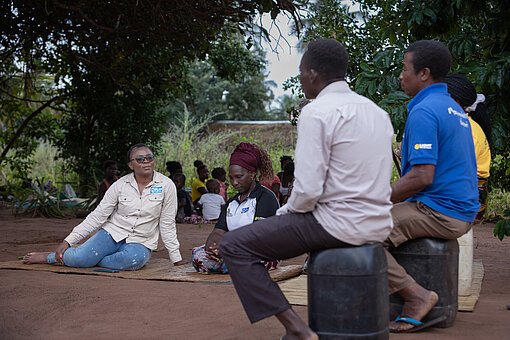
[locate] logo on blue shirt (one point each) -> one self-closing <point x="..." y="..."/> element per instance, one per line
<point x="156" y="190"/>
<point x="245" y="210"/>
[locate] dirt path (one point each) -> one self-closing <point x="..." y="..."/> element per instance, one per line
<point x="43" y="305"/>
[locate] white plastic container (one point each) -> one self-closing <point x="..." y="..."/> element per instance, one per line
<point x="465" y="263"/>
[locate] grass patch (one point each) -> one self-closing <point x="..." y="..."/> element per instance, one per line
<point x="190" y="139"/>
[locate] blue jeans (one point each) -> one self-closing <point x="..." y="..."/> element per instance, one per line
<point x="102" y="250"/>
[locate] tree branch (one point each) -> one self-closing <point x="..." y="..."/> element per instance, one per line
<point x="23" y="125"/>
<point x="23" y="99"/>
<point x="84" y="16"/>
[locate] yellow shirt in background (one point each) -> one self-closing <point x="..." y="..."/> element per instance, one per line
<point x="482" y="151"/>
<point x="195" y="195"/>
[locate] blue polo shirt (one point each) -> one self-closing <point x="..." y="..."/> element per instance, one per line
<point x="438" y="132"/>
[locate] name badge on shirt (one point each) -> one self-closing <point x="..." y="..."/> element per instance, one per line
<point x="156" y="190"/>
<point x="245" y="210"/>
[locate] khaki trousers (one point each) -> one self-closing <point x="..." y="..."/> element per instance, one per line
<point x="415" y="220"/>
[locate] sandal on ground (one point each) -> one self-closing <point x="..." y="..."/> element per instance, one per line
<point x="418" y="325"/>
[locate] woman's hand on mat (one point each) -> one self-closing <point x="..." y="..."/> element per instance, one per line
<point x="59" y="253"/>
<point x="180" y="263"/>
<point x="213" y="253"/>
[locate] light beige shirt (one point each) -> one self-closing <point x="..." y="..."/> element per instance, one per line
<point x="343" y="166"/>
<point x="137" y="218"/>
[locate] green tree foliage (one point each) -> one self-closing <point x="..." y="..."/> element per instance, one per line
<point x="229" y="84"/>
<point x="26" y="97"/>
<point x="502" y="227"/>
<point x="112" y="63"/>
<point x="476" y="32"/>
<point x="285" y="104"/>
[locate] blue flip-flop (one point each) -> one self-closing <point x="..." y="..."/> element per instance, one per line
<point x="418" y="325"/>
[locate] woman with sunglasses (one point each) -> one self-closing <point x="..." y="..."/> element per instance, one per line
<point x="134" y="210"/>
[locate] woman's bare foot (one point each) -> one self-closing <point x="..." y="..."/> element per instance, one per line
<point x="33" y="258"/>
<point x="418" y="302"/>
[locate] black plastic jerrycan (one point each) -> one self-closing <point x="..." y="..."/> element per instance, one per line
<point x="348" y="293"/>
<point x="434" y="264"/>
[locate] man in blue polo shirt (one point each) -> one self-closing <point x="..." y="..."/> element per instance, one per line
<point x="438" y="190"/>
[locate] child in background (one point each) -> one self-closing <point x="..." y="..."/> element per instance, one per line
<point x="283" y="161"/>
<point x="287" y="180"/>
<point x="173" y="168"/>
<point x="211" y="202"/>
<point x="110" y="171"/>
<point x="221" y="175"/>
<point x="198" y="187"/>
<point x="184" y="208"/>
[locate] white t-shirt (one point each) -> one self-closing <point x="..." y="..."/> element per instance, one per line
<point x="211" y="206"/>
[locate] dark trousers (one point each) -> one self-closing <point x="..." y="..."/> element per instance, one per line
<point x="278" y="237"/>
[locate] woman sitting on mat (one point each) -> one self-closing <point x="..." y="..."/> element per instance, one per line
<point x="253" y="202"/>
<point x="134" y="209"/>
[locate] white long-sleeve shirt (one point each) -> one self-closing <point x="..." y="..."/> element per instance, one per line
<point x="343" y="165"/>
<point x="137" y="218"/>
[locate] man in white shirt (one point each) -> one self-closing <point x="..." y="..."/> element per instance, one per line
<point x="341" y="193"/>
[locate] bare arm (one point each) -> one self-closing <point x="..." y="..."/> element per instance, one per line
<point x="419" y="177"/>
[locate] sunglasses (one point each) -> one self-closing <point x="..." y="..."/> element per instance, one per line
<point x="142" y="159"/>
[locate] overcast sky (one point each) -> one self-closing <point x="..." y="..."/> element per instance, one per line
<point x="285" y="64"/>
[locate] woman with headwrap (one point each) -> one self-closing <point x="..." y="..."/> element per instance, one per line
<point x="464" y="92"/>
<point x="252" y="203"/>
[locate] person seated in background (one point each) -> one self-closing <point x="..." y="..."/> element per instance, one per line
<point x="464" y="93"/>
<point x="133" y="213"/>
<point x="272" y="183"/>
<point x="173" y="168"/>
<point x="110" y="171"/>
<point x="221" y="175"/>
<point x="198" y="187"/>
<point x="184" y="208"/>
<point x="287" y="178"/>
<point x="252" y="203"/>
<point x="283" y="161"/>
<point x="211" y="202"/>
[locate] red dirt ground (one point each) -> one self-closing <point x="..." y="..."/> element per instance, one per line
<point x="44" y="305"/>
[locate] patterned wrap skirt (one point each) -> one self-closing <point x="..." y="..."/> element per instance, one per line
<point x="203" y="264"/>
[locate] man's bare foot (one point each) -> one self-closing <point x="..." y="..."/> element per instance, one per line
<point x="418" y="302"/>
<point x="288" y="336"/>
<point x="296" y="328"/>
<point x="33" y="258"/>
